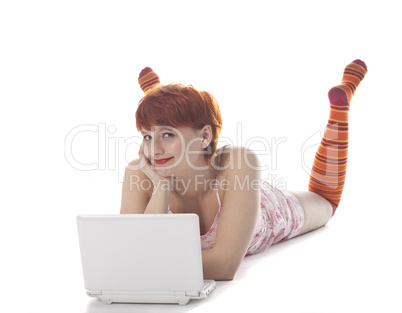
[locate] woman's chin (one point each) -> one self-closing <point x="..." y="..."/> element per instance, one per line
<point x="163" y="172"/>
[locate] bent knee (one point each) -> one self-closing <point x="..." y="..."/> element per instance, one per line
<point x="317" y="210"/>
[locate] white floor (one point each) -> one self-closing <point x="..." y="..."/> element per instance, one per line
<point x="350" y="265"/>
<point x="320" y="272"/>
<point x="66" y="65"/>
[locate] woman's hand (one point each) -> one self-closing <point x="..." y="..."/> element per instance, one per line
<point x="159" y="201"/>
<point x="160" y="183"/>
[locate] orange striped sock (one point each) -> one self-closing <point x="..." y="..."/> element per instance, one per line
<point x="148" y="79"/>
<point x="329" y="168"/>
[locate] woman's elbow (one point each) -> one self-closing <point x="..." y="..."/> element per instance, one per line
<point x="231" y="270"/>
<point x="229" y="276"/>
<point x="218" y="267"/>
<point x="221" y="275"/>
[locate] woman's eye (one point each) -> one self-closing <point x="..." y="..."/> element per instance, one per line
<point x="168" y="135"/>
<point x="147" y="137"/>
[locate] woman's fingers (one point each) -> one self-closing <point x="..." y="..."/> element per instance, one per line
<point x="149" y="169"/>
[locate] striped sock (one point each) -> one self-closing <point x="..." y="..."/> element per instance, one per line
<point x="329" y="168"/>
<point x="148" y="79"/>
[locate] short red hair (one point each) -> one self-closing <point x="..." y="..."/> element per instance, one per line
<point x="177" y="105"/>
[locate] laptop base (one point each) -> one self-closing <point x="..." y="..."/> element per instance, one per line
<point x="179" y="297"/>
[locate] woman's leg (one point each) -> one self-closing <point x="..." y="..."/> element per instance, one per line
<point x="329" y="168"/>
<point x="317" y="210"/>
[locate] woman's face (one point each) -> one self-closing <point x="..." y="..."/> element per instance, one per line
<point x="174" y="151"/>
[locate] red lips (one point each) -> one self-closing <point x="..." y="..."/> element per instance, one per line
<point x="162" y="161"/>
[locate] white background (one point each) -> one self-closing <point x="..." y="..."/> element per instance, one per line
<point x="64" y="64"/>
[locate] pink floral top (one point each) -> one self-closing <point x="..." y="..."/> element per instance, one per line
<point x="281" y="218"/>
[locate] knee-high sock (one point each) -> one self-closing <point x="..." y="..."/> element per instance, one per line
<point x="329" y="168"/>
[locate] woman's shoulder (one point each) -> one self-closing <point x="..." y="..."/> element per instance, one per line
<point x="235" y="158"/>
<point x="238" y="170"/>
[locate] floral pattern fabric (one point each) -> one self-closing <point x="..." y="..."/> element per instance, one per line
<point x="281" y="218"/>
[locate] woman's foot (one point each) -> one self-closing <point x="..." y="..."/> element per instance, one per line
<point x="340" y="96"/>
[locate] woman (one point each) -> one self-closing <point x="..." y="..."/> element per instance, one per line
<point x="180" y="170"/>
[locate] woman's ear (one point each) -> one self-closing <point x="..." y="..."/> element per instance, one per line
<point x="206" y="136"/>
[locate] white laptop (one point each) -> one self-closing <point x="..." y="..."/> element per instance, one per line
<point x="142" y="258"/>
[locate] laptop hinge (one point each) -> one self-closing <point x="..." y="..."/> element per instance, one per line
<point x="192" y="293"/>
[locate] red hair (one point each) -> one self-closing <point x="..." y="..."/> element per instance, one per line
<point x="177" y="105"/>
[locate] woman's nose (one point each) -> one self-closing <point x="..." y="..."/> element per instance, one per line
<point x="157" y="147"/>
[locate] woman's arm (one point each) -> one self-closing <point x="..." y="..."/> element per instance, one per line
<point x="134" y="197"/>
<point x="139" y="196"/>
<point x="214" y="266"/>
<point x="241" y="205"/>
<point x="144" y="191"/>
